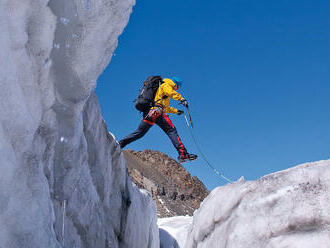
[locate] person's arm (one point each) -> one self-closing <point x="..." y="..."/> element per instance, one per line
<point x="171" y="110"/>
<point x="169" y="91"/>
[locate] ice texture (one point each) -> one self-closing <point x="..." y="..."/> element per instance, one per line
<point x="63" y="179"/>
<point x="173" y="231"/>
<point x="286" y="209"/>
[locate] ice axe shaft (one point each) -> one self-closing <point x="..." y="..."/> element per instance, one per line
<point x="189" y="116"/>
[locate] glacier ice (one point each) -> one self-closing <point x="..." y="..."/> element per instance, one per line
<point x="173" y="231"/>
<point x="63" y="180"/>
<point x="289" y="208"/>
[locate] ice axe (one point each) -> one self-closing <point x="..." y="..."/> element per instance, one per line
<point x="189" y="116"/>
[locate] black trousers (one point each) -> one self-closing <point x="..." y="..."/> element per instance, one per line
<point x="164" y="122"/>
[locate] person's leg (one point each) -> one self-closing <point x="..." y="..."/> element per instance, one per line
<point x="167" y="126"/>
<point x="142" y="129"/>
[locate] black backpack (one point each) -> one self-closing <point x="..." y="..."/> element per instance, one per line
<point x="147" y="94"/>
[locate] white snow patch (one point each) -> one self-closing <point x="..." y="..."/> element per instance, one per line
<point x="162" y="202"/>
<point x="173" y="231"/>
<point x="112" y="135"/>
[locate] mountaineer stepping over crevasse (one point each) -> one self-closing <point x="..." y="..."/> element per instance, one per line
<point x="154" y="102"/>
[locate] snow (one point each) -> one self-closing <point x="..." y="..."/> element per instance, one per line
<point x="162" y="202"/>
<point x="173" y="231"/>
<point x="289" y="208"/>
<point x="63" y="179"/>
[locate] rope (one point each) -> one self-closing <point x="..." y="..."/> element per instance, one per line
<point x="202" y="154"/>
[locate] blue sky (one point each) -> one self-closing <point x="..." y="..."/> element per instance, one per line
<point x="256" y="74"/>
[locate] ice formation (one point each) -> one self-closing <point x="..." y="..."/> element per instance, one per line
<point x="173" y="231"/>
<point x="289" y="208"/>
<point x="63" y="181"/>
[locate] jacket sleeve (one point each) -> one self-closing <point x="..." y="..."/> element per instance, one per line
<point x="169" y="91"/>
<point x="171" y="110"/>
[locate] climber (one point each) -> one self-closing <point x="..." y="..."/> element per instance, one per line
<point x="165" y="90"/>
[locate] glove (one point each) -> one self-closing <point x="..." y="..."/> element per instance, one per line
<point x="184" y="102"/>
<point x="180" y="112"/>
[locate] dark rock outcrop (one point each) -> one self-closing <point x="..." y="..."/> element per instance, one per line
<point x="174" y="190"/>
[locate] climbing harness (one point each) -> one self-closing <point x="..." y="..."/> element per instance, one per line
<point x="200" y="150"/>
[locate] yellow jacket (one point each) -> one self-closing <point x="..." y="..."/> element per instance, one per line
<point x="167" y="89"/>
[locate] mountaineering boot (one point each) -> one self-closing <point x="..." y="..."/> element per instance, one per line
<point x="187" y="157"/>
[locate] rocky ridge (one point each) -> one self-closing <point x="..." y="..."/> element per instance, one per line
<point x="174" y="190"/>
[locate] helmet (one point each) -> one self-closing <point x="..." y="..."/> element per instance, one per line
<point x="177" y="81"/>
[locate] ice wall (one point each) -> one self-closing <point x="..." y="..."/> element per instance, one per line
<point x="63" y="181"/>
<point x="286" y="209"/>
